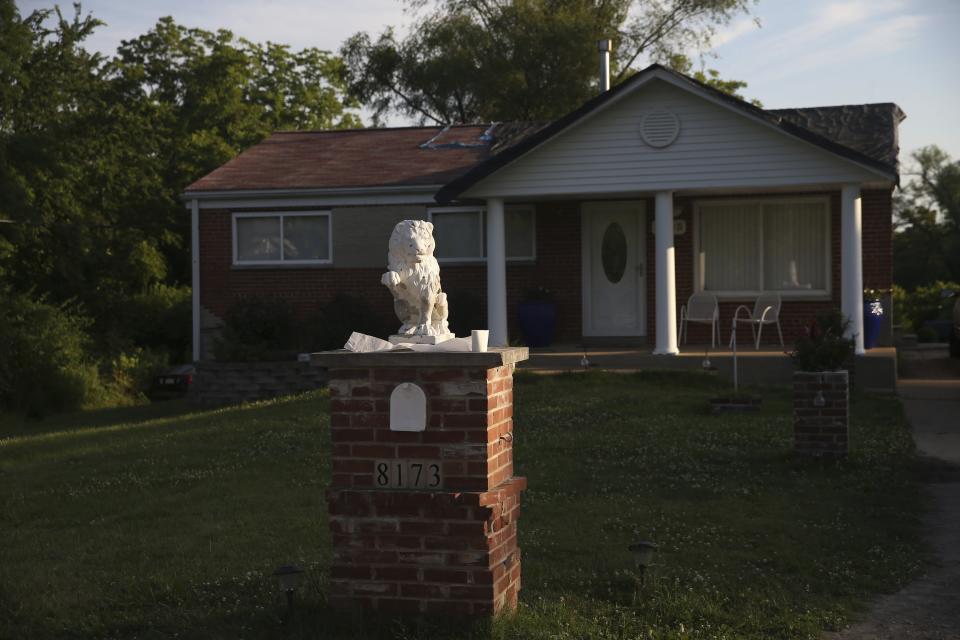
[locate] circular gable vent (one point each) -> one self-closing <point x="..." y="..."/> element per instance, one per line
<point x="659" y="128"/>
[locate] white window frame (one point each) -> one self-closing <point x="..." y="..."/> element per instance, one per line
<point x="483" y="232"/>
<point x="281" y="215"/>
<point x="787" y="294"/>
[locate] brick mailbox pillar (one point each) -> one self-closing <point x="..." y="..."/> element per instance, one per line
<point x="423" y="521"/>
<point x="821" y="409"/>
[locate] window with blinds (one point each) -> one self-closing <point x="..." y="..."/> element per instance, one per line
<point x="745" y="247"/>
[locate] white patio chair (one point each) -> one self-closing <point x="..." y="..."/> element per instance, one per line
<point x="702" y="307"/>
<point x="766" y="310"/>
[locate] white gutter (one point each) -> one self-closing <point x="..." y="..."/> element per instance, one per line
<point x="292" y="193"/>
<point x="195" y="276"/>
<point x="372" y="197"/>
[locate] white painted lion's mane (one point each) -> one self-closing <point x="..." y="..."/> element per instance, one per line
<point x="414" y="279"/>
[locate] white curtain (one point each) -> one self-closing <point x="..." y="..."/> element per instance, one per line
<point x="729" y="244"/>
<point x="794" y="246"/>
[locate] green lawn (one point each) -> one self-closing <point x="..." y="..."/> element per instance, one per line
<point x="164" y="521"/>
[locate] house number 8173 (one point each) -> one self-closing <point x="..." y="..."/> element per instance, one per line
<point x="407" y="474"/>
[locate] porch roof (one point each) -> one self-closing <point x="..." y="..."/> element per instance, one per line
<point x="864" y="134"/>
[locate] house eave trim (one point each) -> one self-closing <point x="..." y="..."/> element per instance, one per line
<point x="359" y="196"/>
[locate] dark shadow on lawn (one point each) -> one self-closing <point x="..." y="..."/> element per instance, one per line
<point x="17" y="425"/>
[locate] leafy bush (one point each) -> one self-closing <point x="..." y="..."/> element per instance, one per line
<point x="260" y="329"/>
<point x="914" y="308"/>
<point x="45" y="363"/>
<point x="132" y="373"/>
<point x="255" y="329"/>
<point x="159" y="319"/>
<point x="340" y="317"/>
<point x="824" y="347"/>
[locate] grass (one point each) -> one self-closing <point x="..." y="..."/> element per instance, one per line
<point x="164" y="521"/>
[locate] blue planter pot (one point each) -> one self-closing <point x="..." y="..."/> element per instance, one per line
<point x="872" y="319"/>
<point x="538" y="322"/>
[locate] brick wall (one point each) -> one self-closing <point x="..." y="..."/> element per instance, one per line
<point x="557" y="268"/>
<point x="452" y="550"/>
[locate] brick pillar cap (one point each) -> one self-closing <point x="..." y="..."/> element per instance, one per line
<point x="495" y="357"/>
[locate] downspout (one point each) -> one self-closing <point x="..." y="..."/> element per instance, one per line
<point x="195" y="281"/>
<point x="603" y="47"/>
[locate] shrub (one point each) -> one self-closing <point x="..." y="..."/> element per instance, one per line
<point x="45" y="363"/>
<point x="824" y="347"/>
<point x="159" y="319"/>
<point x="255" y="329"/>
<point x="340" y="317"/>
<point x="132" y="373"/>
<point x="912" y="309"/>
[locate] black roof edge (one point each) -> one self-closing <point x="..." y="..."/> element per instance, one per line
<point x="454" y="188"/>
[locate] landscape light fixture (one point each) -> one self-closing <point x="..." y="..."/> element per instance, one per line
<point x="643" y="553"/>
<point x="288" y="577"/>
<point x="819" y="400"/>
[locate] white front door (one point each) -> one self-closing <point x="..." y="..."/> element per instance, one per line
<point x="614" y="278"/>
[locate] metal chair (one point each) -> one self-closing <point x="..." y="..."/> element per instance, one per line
<point x="766" y="310"/>
<point x="702" y="307"/>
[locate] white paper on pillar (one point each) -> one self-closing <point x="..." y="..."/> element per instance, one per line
<point x="408" y="408"/>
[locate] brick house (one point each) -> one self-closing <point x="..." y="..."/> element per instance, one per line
<point x="652" y="190"/>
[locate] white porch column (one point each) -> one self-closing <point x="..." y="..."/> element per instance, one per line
<point x="666" y="300"/>
<point x="851" y="262"/>
<point x="496" y="274"/>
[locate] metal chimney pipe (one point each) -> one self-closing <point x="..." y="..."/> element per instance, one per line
<point x="603" y="46"/>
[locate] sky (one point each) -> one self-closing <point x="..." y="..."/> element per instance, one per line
<point x="803" y="53"/>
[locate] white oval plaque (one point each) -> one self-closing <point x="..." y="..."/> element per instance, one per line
<point x="408" y="408"/>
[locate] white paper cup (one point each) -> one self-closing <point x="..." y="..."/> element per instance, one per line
<point x="479" y="338"/>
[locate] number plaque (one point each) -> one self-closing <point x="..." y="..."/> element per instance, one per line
<point x="408" y="474"/>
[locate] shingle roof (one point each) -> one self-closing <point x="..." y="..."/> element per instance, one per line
<point x="460" y="155"/>
<point x="870" y="129"/>
<point x="408" y="156"/>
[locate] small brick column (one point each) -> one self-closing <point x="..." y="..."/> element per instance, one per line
<point x="442" y="537"/>
<point x="821" y="411"/>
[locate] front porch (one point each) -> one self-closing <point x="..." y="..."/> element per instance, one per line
<point x="874" y="370"/>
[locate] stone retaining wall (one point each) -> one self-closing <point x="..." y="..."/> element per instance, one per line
<point x="216" y="384"/>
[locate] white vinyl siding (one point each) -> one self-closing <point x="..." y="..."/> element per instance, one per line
<point x="746" y="247"/>
<point x="289" y="238"/>
<point x="460" y="233"/>
<point x="716" y="148"/>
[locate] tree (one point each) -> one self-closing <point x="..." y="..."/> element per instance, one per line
<point x="496" y="60"/>
<point x="94" y="153"/>
<point x="926" y="245"/>
<point x="709" y="77"/>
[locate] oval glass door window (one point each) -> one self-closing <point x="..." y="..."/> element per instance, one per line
<point x="613" y="252"/>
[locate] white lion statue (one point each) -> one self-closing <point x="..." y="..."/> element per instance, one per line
<point x="414" y="280"/>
